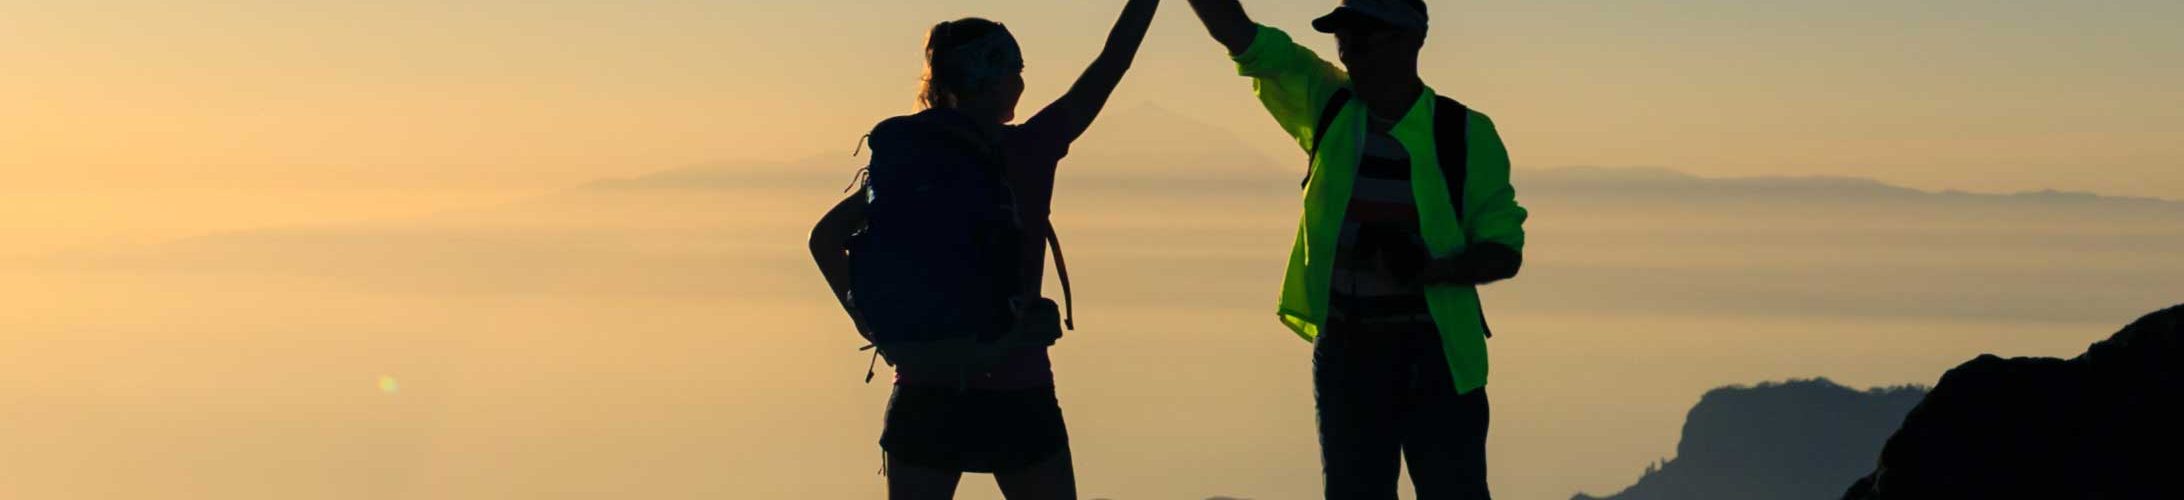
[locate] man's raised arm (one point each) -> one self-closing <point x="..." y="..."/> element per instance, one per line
<point x="1292" y="82"/>
<point x="1226" y="20"/>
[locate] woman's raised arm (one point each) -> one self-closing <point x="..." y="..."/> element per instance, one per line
<point x="1070" y="115"/>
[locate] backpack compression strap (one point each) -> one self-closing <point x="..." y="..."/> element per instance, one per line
<point x="1061" y="270"/>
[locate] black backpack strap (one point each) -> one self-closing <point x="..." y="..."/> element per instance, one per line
<point x="1452" y="143"/>
<point x="1061" y="270"/>
<point x="1319" y="133"/>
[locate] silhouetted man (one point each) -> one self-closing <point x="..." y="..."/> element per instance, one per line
<point x="1407" y="209"/>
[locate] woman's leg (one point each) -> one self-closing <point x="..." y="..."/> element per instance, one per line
<point x="907" y="481"/>
<point x="1053" y="479"/>
<point x="916" y="426"/>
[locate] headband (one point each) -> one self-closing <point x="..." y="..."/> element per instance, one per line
<point x="989" y="56"/>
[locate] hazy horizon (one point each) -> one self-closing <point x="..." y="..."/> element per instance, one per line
<point x="420" y="203"/>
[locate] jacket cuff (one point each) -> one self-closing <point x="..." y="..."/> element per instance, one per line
<point x="1263" y="53"/>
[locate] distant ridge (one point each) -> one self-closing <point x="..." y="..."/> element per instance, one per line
<point x="1141" y="146"/>
<point x="1667" y="182"/>
<point x="1093" y="170"/>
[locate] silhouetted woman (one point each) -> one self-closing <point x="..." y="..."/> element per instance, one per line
<point x="1002" y="417"/>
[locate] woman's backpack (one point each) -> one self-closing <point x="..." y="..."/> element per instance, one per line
<point x="936" y="274"/>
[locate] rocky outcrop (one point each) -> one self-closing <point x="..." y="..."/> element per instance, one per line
<point x="1794" y="440"/>
<point x="2106" y="424"/>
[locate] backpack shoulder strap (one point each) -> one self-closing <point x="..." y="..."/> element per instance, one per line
<point x="1452" y="143"/>
<point x="1319" y="132"/>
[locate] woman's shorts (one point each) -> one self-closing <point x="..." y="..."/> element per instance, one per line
<point x="948" y="428"/>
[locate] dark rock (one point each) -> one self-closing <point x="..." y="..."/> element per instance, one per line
<point x="2106" y="424"/>
<point x="1794" y="440"/>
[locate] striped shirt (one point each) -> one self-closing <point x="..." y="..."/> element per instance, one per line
<point x="1381" y="250"/>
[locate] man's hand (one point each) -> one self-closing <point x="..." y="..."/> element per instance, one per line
<point x="1482" y="264"/>
<point x="1226" y="20"/>
<point x="1444" y="271"/>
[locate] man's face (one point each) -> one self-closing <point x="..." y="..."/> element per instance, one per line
<point x="1366" y="47"/>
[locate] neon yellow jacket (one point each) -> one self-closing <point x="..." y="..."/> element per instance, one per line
<point x="1295" y="84"/>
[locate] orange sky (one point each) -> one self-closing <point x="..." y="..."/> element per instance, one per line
<point x="134" y="120"/>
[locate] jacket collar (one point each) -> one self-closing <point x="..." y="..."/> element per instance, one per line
<point x="1416" y="126"/>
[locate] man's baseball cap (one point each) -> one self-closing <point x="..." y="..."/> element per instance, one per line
<point x="1408" y="15"/>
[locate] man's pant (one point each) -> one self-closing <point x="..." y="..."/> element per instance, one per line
<point x="1384" y="391"/>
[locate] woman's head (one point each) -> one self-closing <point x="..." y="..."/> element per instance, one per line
<point x="973" y="65"/>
